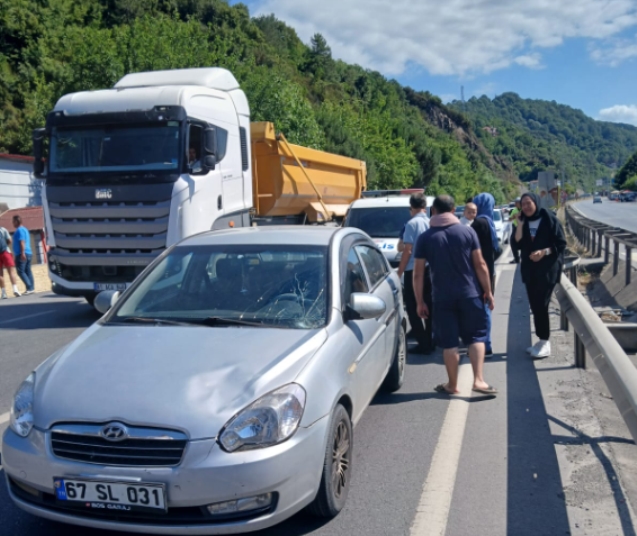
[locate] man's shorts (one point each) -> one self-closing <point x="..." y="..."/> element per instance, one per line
<point x="6" y="260"/>
<point x="464" y="319"/>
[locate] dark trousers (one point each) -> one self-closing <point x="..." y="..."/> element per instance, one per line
<point x="515" y="248"/>
<point x="421" y="330"/>
<point x="24" y="271"/>
<point x="539" y="293"/>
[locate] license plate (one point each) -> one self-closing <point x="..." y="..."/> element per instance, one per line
<point x="111" y="496"/>
<point x="109" y="286"/>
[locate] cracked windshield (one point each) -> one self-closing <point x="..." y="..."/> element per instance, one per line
<point x="271" y="286"/>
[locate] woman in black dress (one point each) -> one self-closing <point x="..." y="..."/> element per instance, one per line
<point x="541" y="241"/>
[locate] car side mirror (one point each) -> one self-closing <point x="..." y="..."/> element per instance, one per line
<point x="105" y="300"/>
<point x="364" y="306"/>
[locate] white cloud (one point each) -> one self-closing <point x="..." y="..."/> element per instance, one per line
<point x="453" y="37"/>
<point x="449" y="97"/>
<point x="615" y="52"/>
<point x="620" y="113"/>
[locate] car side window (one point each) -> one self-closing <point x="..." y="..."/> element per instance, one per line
<point x="354" y="277"/>
<point x="374" y="264"/>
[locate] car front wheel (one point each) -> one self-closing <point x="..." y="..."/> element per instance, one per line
<point x="337" y="467"/>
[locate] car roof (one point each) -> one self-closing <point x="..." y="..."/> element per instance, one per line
<point x="300" y="235"/>
<point x="379" y="202"/>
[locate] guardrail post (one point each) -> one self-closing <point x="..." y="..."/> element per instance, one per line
<point x="572" y="274"/>
<point x="593" y="242"/>
<point x="607" y="249"/>
<point x="563" y="321"/>
<point x="599" y="244"/>
<point x="629" y="252"/>
<point x="615" y="258"/>
<point x="580" y="353"/>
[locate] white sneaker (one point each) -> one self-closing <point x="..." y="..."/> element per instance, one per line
<point x="16" y="293"/>
<point x="542" y="351"/>
<point x="4" y="296"/>
<point x="532" y="349"/>
<point x="29" y="292"/>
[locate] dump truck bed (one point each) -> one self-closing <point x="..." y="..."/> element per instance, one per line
<point x="321" y="187"/>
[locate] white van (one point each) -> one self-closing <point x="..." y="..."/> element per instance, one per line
<point x="383" y="218"/>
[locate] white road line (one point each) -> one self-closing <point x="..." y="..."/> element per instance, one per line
<point x="25" y="317"/>
<point x="433" y="508"/>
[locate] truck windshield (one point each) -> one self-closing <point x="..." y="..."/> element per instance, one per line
<point x="258" y="285"/>
<point x="379" y="222"/>
<point x="140" y="148"/>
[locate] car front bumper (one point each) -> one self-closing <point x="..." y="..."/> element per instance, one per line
<point x="206" y="475"/>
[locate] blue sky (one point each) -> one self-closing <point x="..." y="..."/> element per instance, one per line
<point x="581" y="53"/>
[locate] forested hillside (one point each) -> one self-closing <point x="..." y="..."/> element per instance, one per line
<point x="537" y="135"/>
<point x="627" y="176"/>
<point x="52" y="47"/>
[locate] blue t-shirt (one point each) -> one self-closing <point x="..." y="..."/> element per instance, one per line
<point x="413" y="229"/>
<point x="448" y="251"/>
<point x="21" y="233"/>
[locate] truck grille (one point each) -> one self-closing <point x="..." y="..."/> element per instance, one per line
<point x="144" y="447"/>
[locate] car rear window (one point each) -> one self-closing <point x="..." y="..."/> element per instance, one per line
<point x="379" y="222"/>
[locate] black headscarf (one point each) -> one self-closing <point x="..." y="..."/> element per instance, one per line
<point x="539" y="210"/>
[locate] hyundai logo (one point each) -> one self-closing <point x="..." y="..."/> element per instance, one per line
<point x="103" y="193"/>
<point x="114" y="431"/>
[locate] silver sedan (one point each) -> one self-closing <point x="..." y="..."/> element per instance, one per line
<point x="218" y="394"/>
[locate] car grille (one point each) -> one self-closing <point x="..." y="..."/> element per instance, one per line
<point x="144" y="447"/>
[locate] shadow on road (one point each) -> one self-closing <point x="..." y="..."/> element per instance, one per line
<point x="535" y="499"/>
<point x="38" y="313"/>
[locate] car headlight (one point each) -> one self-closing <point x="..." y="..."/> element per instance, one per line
<point x="22" y="407"/>
<point x="270" y="420"/>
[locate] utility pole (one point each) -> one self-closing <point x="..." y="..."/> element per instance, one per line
<point x="464" y="104"/>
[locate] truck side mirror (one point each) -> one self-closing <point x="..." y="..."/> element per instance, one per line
<point x="209" y="163"/>
<point x="210" y="141"/>
<point x="38" y="152"/>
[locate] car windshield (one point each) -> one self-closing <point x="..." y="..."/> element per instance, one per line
<point x="278" y="286"/>
<point x="142" y="148"/>
<point x="379" y="222"/>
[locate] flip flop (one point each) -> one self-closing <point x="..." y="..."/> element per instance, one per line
<point x="442" y="388"/>
<point x="489" y="390"/>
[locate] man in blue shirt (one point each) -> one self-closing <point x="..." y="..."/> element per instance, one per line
<point x="461" y="287"/>
<point x="415" y="227"/>
<point x="22" y="253"/>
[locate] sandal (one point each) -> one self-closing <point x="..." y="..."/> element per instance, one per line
<point x="489" y="390"/>
<point x="442" y="388"/>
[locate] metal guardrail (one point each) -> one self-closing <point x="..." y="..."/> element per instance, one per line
<point x="589" y="234"/>
<point x="594" y="338"/>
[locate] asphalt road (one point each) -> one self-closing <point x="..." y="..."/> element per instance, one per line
<point x="613" y="213"/>
<point x="423" y="464"/>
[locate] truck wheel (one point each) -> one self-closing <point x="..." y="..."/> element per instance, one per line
<point x="337" y="467"/>
<point x="396" y="375"/>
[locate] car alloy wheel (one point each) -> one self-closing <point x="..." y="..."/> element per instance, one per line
<point x="337" y="466"/>
<point x="340" y="460"/>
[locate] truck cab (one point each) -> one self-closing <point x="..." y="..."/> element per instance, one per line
<point x="132" y="170"/>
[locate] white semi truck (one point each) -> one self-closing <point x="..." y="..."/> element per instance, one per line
<point x="161" y="156"/>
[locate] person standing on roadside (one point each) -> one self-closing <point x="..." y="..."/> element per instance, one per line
<point x="461" y="287"/>
<point x="513" y="217"/>
<point x="484" y="227"/>
<point x="470" y="213"/>
<point x="6" y="261"/>
<point x="541" y="240"/>
<point x="414" y="228"/>
<point x="23" y="254"/>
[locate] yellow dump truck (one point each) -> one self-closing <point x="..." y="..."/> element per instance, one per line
<point x="298" y="183"/>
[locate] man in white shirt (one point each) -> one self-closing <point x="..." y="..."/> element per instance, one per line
<point x="417" y="225"/>
<point x="470" y="213"/>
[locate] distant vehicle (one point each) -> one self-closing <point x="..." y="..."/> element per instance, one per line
<point x="613" y="196"/>
<point x="383" y="219"/>
<point x="597" y="199"/>
<point x="219" y="393"/>
<point x="502" y="227"/>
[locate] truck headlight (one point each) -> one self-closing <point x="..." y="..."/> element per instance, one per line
<point x="270" y="420"/>
<point x="22" y="407"/>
